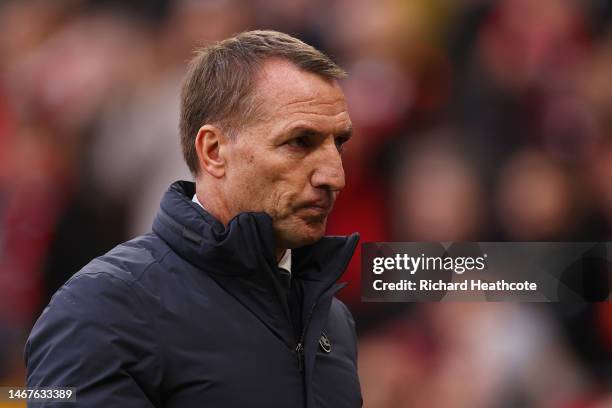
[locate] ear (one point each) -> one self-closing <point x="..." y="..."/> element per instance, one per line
<point x="208" y="144"/>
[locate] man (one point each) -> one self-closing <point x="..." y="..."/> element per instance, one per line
<point x="229" y="302"/>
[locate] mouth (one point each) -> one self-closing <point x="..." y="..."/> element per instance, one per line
<point x="319" y="209"/>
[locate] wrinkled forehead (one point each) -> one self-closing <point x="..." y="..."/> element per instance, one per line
<point x="282" y="88"/>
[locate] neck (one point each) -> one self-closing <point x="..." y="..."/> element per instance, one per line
<point x="213" y="204"/>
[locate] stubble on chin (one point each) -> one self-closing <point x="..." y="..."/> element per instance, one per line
<point x="300" y="232"/>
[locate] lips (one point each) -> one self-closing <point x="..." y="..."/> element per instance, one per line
<point x="323" y="204"/>
<point x="317" y="208"/>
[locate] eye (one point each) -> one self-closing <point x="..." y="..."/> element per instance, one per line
<point x="301" y="142"/>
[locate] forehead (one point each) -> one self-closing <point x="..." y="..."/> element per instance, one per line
<point x="284" y="91"/>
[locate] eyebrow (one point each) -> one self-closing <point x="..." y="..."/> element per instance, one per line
<point x="346" y="133"/>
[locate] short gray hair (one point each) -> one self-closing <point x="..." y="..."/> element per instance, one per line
<point x="218" y="87"/>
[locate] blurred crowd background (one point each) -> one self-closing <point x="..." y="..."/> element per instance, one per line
<point x="476" y="120"/>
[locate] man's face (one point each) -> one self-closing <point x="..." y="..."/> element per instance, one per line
<point x="288" y="164"/>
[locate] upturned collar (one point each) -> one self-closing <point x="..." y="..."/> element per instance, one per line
<point x="246" y="246"/>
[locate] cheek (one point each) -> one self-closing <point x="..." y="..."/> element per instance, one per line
<point x="280" y="194"/>
<point x="282" y="202"/>
<point x="262" y="181"/>
<point x="254" y="188"/>
<point x="252" y="192"/>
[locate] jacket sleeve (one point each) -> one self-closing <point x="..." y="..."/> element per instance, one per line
<point x="95" y="336"/>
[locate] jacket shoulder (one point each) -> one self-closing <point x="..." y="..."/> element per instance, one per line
<point x="97" y="330"/>
<point x="127" y="261"/>
<point x="107" y="287"/>
<point x="101" y="301"/>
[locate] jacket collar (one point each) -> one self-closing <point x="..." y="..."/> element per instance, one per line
<point x="246" y="245"/>
<point x="200" y="238"/>
<point x="242" y="259"/>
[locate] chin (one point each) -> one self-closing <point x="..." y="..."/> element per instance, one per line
<point x="303" y="235"/>
<point x="311" y="239"/>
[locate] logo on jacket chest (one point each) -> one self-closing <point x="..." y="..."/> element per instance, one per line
<point x="324" y="343"/>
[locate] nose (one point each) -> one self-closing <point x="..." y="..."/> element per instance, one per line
<point x="328" y="172"/>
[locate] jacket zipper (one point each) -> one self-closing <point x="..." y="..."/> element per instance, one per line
<point x="299" y="349"/>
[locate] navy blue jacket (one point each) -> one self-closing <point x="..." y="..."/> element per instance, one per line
<point x="194" y="315"/>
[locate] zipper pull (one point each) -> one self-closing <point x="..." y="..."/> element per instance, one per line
<point x="299" y="351"/>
